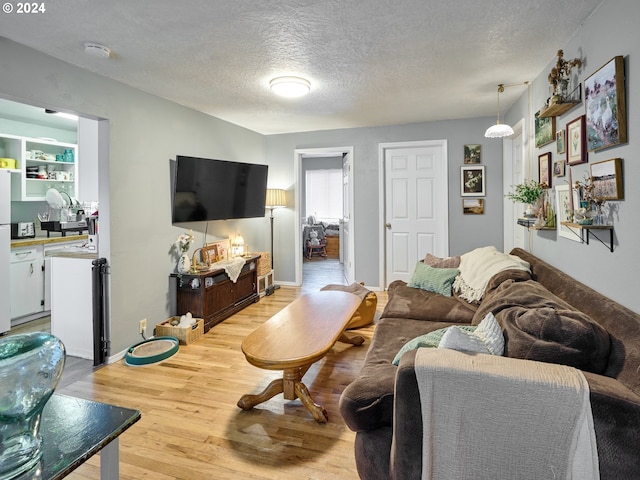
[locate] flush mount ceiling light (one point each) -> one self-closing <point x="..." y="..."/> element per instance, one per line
<point x="97" y="50"/>
<point x="499" y="130"/>
<point x="291" y="87"/>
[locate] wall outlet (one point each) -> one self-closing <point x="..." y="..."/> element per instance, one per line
<point x="143" y="325"/>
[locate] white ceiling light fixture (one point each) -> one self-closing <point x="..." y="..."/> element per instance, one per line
<point x="499" y="130"/>
<point x="291" y="87"/>
<point x="97" y="50"/>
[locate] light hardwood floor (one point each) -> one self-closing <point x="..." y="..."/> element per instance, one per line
<point x="191" y="427"/>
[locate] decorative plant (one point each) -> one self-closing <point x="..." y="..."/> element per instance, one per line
<point x="183" y="242"/>
<point x="588" y="193"/>
<point x="528" y="192"/>
<point x="560" y="74"/>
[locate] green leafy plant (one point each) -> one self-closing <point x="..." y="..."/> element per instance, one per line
<point x="528" y="192"/>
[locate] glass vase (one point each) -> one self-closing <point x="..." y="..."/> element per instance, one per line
<point x="31" y="365"/>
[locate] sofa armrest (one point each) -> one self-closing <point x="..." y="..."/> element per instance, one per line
<point x="406" y="446"/>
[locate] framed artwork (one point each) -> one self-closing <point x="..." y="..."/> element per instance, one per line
<point x="217" y="251"/>
<point x="605" y="107"/>
<point x="473" y="206"/>
<point x="545" y="129"/>
<point x="472" y="153"/>
<point x="560" y="141"/>
<point x="544" y="169"/>
<point x="576" y="141"/>
<point x="558" y="168"/>
<point x="210" y="253"/>
<point x="606" y="177"/>
<point x="564" y="212"/>
<point x="472" y="182"/>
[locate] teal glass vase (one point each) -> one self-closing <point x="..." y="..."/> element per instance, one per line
<point x="31" y="365"/>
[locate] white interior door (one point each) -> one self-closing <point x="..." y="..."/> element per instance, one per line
<point x="416" y="206"/>
<point x="514" y="172"/>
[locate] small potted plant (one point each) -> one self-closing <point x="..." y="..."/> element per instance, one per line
<point x="528" y="192"/>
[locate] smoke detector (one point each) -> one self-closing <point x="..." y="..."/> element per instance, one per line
<point x="97" y="50"/>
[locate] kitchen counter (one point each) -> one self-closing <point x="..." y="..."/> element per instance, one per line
<point x="44" y="240"/>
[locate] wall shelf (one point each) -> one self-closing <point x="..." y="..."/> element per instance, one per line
<point x="591" y="231"/>
<point x="560" y="108"/>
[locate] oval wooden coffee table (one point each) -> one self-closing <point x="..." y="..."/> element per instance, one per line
<point x="294" y="339"/>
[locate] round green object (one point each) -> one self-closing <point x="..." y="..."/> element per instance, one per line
<point x="150" y="351"/>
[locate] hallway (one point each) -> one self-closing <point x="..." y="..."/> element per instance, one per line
<point x="318" y="272"/>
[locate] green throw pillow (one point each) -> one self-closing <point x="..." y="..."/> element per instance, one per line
<point x="429" y="340"/>
<point x="437" y="280"/>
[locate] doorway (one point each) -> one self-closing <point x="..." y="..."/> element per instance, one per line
<point x="323" y="271"/>
<point x="414" y="207"/>
<point x="515" y="169"/>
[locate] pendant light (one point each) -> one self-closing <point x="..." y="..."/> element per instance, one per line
<point x="499" y="130"/>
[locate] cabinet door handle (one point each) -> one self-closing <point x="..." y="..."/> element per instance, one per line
<point x="31" y="268"/>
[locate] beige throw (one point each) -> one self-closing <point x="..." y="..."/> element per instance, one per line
<point x="232" y="267"/>
<point x="478" y="266"/>
<point x="490" y="417"/>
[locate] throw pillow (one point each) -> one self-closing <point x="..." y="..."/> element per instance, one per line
<point x="437" y="280"/>
<point x="487" y="338"/>
<point x="440" y="262"/>
<point x="428" y="340"/>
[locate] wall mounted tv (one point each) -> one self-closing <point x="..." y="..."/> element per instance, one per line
<point x="208" y="189"/>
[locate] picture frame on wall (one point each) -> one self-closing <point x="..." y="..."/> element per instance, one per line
<point x="544" y="169"/>
<point x="472" y="153"/>
<point x="559" y="168"/>
<point x="564" y="212"/>
<point x="472" y="181"/>
<point x="545" y="129"/>
<point x="576" y="141"/>
<point x="473" y="206"/>
<point x="560" y="141"/>
<point x="605" y="106"/>
<point x="606" y="177"/>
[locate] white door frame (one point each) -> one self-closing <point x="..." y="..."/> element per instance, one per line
<point x="382" y="149"/>
<point x="297" y="173"/>
<point x="509" y="207"/>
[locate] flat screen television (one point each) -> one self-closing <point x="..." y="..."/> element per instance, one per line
<point x="208" y="189"/>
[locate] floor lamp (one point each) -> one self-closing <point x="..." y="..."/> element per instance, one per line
<point x="276" y="198"/>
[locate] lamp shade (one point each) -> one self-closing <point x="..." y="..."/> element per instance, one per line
<point x="498" y="130"/>
<point x="276" y="197"/>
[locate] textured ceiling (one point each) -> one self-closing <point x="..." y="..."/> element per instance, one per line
<point x="370" y="62"/>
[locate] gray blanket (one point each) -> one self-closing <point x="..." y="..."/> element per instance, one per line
<point x="490" y="417"/>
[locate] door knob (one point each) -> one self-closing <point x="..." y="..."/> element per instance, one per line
<point x="388" y="225"/>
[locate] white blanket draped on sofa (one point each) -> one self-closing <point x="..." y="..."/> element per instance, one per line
<point x="491" y="417"/>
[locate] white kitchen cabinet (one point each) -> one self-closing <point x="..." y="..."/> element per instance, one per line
<point x="27" y="281"/>
<point x="48" y="251"/>
<point x="61" y="175"/>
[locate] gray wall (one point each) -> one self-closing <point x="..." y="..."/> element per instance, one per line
<point x="145" y="133"/>
<point x="610" y="31"/>
<point x="465" y="231"/>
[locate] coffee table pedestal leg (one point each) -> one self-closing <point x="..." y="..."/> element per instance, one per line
<point x="291" y="387"/>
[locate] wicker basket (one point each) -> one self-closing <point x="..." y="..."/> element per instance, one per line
<point x="184" y="335"/>
<point x="264" y="263"/>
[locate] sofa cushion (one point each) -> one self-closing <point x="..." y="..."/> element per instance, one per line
<point x="406" y="302"/>
<point x="442" y="262"/>
<point x="486" y="338"/>
<point x="437" y="280"/>
<point x="367" y="403"/>
<point x="428" y="340"/>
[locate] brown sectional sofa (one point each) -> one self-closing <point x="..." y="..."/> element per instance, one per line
<point x="382" y="405"/>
